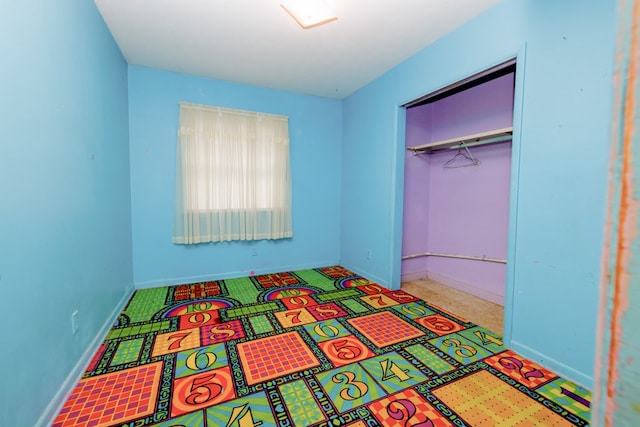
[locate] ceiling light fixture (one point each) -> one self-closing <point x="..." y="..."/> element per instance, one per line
<point x="309" y="13"/>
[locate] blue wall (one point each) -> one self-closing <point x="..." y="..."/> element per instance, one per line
<point x="65" y="231"/>
<point x="315" y="133"/>
<point x="66" y="214"/>
<point x="563" y="136"/>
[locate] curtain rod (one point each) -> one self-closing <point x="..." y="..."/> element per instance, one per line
<point x="213" y="108"/>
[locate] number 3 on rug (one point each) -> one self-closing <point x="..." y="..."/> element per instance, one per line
<point x="358" y="390"/>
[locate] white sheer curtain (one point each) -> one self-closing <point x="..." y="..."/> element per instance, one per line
<point x="233" y="179"/>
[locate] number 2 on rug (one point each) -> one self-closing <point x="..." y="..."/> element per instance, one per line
<point x="404" y="410"/>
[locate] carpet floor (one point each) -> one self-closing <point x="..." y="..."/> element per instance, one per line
<point x="317" y="347"/>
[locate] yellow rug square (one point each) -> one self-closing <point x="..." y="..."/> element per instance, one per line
<point x="482" y="399"/>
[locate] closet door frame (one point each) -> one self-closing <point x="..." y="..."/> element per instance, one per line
<point x="518" y="102"/>
<point x="511" y="279"/>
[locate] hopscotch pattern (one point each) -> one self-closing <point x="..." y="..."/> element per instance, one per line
<point x="318" y="347"/>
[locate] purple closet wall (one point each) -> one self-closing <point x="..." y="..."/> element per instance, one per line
<point x="463" y="210"/>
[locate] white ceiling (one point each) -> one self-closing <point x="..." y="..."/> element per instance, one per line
<point x="256" y="42"/>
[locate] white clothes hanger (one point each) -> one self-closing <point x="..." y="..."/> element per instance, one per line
<point x="461" y="160"/>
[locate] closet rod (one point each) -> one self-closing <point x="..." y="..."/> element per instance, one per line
<point x="490" y="137"/>
<point x="476" y="258"/>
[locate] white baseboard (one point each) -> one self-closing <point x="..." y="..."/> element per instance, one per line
<point x="366" y="275"/>
<point x="408" y="277"/>
<point x="559" y="368"/>
<point x="468" y="288"/>
<point x="57" y="402"/>
<point x="172" y="281"/>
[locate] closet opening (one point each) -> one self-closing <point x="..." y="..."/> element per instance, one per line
<point x="457" y="185"/>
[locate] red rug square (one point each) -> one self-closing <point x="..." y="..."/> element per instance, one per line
<point x="275" y="356"/>
<point x="112" y="398"/>
<point x="385" y="328"/>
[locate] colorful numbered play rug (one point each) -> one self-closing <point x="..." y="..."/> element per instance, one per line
<point x="318" y="347"/>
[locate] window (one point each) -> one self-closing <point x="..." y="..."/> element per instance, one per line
<point x="233" y="179"/>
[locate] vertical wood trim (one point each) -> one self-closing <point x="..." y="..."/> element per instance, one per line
<point x="611" y="367"/>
